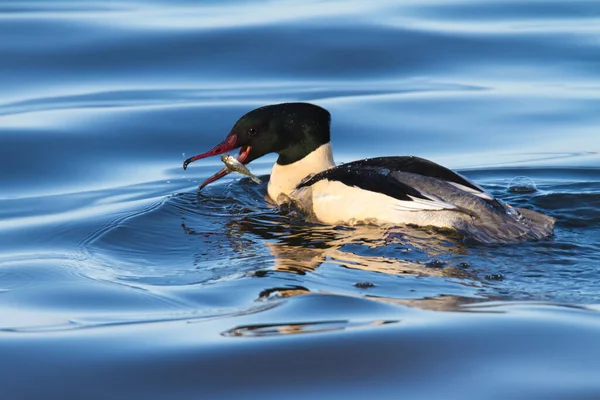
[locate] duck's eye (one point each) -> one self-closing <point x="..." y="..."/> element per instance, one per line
<point x="251" y="132"/>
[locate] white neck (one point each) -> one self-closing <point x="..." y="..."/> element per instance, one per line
<point x="285" y="178"/>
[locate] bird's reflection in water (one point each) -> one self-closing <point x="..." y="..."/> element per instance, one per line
<point x="248" y="227"/>
<point x="438" y="303"/>
<point x="298" y="246"/>
<point x="299" y="328"/>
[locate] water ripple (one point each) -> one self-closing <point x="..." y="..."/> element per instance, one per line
<point x="113" y="269"/>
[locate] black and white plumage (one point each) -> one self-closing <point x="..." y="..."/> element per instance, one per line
<point x="388" y="175"/>
<point x="420" y="166"/>
<point x="383" y="190"/>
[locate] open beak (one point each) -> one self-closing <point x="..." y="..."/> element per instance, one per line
<point x="227" y="145"/>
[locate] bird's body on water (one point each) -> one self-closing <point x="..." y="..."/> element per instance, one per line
<point x="384" y="190"/>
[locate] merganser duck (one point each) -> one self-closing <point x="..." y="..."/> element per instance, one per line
<point x="384" y="190"/>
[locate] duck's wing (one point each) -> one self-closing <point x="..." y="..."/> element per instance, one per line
<point x="421" y="166"/>
<point x="408" y="198"/>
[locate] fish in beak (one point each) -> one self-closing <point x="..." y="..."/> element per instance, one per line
<point x="229" y="144"/>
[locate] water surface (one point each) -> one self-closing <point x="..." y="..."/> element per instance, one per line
<point x="118" y="280"/>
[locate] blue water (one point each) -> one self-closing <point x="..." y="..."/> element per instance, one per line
<point x="118" y="281"/>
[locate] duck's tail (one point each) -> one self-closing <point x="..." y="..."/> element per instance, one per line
<point x="519" y="224"/>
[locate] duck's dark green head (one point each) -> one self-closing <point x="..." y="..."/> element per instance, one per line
<point x="293" y="130"/>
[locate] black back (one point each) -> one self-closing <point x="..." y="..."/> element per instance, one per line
<point x="374" y="174"/>
<point x="372" y="179"/>
<point x="415" y="165"/>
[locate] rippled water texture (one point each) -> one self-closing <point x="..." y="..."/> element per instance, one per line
<point x="118" y="281"/>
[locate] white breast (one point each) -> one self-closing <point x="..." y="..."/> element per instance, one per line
<point x="285" y="178"/>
